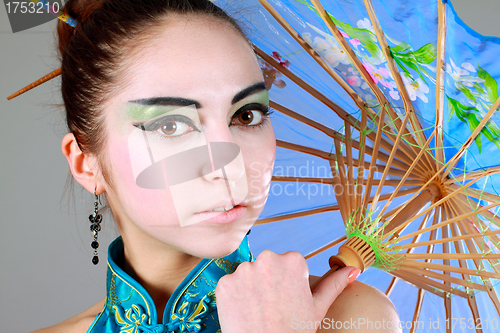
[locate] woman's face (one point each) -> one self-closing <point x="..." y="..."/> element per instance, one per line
<point x="188" y="133"/>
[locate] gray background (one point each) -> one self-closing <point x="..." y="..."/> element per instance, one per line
<point x="46" y="274"/>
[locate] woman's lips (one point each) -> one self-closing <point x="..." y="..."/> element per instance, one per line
<point x="222" y="216"/>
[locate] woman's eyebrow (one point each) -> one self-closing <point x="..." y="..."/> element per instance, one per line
<point x="166" y="101"/>
<point x="248" y="91"/>
<point x="178" y="101"/>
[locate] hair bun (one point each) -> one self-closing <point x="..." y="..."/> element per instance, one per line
<point x="80" y="10"/>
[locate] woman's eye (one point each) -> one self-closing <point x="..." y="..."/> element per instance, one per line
<point x="174" y="128"/>
<point x="170" y="126"/>
<point x="249" y="118"/>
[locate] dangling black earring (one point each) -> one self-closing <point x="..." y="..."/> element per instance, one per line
<point x="95" y="227"/>
<point x="248" y="233"/>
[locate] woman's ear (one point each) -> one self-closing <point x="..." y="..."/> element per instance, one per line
<point x="84" y="168"/>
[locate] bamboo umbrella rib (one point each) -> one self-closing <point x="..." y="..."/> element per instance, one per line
<point x="491" y="217"/>
<point x="374" y="157"/>
<point x="470" y="242"/>
<point x="447" y="308"/>
<point x="361" y="170"/>
<point x="341" y="163"/>
<point x="391" y="286"/>
<point x="485" y="213"/>
<point x="462" y="149"/>
<point x="350" y="166"/>
<point x="326" y="247"/>
<point x="391" y="182"/>
<point x="357" y="64"/>
<point x="407" y="174"/>
<point x="450" y="255"/>
<point x="474" y="243"/>
<point x="444" y="222"/>
<point x="326" y="67"/>
<point x="405" y="155"/>
<point x="325" y="129"/>
<point x="454" y="160"/>
<point x="482" y="195"/>
<point x="441" y="240"/>
<point x="322" y="209"/>
<point x="445" y="198"/>
<point x="340" y="197"/>
<point x="446" y="262"/>
<point x="478" y="240"/>
<point x="473" y="174"/>
<point x="428" y="157"/>
<point x="448" y="268"/>
<point x="459" y="248"/>
<point x="475" y="313"/>
<point x="298" y="214"/>
<point x="473" y="246"/>
<point x="479" y="265"/>
<point x="384" y="175"/>
<point x="432" y="283"/>
<point x="327" y="156"/>
<point x="411" y="279"/>
<point x="467" y="228"/>
<point x="301" y="83"/>
<point x="418" y="308"/>
<point x="444" y="277"/>
<point x="397" y="78"/>
<point x="440" y="66"/>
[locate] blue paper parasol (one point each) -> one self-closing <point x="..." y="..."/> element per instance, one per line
<point x="388" y="141"/>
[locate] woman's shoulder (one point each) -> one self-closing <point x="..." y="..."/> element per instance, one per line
<point x="77" y="324"/>
<point x="361" y="308"/>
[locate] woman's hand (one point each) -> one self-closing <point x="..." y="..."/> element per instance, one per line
<point x="272" y="294"/>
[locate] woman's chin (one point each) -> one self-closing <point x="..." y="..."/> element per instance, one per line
<point x="218" y="248"/>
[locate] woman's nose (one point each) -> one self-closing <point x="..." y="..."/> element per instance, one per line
<point x="226" y="158"/>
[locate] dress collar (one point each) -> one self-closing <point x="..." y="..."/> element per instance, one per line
<point x="191" y="308"/>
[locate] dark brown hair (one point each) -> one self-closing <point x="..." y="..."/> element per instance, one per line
<point x="93" y="52"/>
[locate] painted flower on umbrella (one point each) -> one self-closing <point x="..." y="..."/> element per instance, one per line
<point x="462" y="75"/>
<point x="382" y="75"/>
<point x="271" y="75"/>
<point x="415" y="88"/>
<point x="327" y="47"/>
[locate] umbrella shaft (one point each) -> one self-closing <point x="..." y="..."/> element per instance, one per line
<point x="414" y="206"/>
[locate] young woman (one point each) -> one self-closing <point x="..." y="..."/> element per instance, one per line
<point x="168" y="118"/>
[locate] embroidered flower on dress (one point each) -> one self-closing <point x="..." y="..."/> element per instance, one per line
<point x="188" y="318"/>
<point x="131" y="319"/>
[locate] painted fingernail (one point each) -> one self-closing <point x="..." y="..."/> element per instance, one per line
<point x="353" y="275"/>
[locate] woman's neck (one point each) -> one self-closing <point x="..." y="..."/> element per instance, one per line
<point x="159" y="270"/>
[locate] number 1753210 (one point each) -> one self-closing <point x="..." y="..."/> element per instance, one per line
<point x="32" y="7"/>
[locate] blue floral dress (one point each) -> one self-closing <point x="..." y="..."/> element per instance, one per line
<point x="191" y="308"/>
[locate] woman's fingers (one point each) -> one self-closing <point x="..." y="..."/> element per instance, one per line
<point x="331" y="287"/>
<point x="273" y="292"/>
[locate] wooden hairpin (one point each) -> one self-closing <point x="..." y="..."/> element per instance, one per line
<point x="38" y="82"/>
<point x="66" y="19"/>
